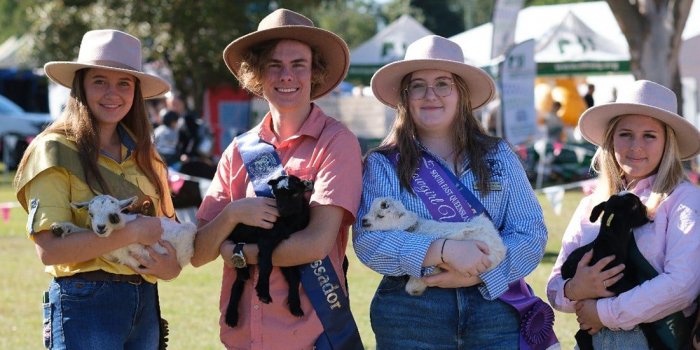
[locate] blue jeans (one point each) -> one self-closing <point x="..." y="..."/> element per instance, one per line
<point x="440" y="319"/>
<point x="83" y="314"/>
<point x="633" y="339"/>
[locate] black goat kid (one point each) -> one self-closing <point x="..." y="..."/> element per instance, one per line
<point x="289" y="192"/>
<point x="623" y="212"/>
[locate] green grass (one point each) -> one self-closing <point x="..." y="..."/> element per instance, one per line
<point x="190" y="303"/>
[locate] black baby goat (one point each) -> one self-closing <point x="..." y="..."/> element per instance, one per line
<point x="623" y="212"/>
<point x="293" y="207"/>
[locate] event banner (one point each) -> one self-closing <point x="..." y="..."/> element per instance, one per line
<point x="517" y="86"/>
<point x="504" y="19"/>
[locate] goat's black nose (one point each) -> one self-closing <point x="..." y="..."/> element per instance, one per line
<point x="100" y="228"/>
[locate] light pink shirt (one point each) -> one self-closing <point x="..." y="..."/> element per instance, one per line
<point x="325" y="151"/>
<point x="671" y="244"/>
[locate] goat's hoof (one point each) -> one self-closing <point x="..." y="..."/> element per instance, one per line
<point x="265" y="298"/>
<point x="296" y="311"/>
<point x="232" y="321"/>
<point x="57" y="230"/>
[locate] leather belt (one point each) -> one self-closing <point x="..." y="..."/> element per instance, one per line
<point x="100" y="275"/>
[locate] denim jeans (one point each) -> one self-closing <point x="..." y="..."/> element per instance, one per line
<point x="83" y="314"/>
<point x="633" y="339"/>
<point x="441" y="318"/>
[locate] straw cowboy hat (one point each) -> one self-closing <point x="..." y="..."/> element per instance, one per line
<point x="108" y="49"/>
<point x="286" y="24"/>
<point x="646" y="98"/>
<point x="432" y="52"/>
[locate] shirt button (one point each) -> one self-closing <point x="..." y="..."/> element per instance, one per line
<point x="256" y="306"/>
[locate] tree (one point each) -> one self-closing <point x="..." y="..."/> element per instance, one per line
<point x="354" y="21"/>
<point x="189" y="35"/>
<point x="653" y="31"/>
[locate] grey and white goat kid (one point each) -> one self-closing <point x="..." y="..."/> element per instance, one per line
<point x="106" y="216"/>
<point x="390" y="214"/>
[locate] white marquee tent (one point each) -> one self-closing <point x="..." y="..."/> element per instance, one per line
<point x="536" y="22"/>
<point x="387" y="46"/>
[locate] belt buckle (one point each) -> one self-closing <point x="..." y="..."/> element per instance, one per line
<point x="135" y="282"/>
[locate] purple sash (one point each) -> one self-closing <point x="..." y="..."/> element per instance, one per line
<point x="447" y="199"/>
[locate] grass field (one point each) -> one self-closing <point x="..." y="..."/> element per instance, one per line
<point x="190" y="302"/>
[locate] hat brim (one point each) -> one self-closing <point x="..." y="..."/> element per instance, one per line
<point x="386" y="82"/>
<point x="595" y="120"/>
<point x="332" y="48"/>
<point x="63" y="72"/>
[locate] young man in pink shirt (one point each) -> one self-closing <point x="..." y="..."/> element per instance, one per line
<point x="290" y="63"/>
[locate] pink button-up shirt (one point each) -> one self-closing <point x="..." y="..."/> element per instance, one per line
<point x="671" y="244"/>
<point x="325" y="151"/>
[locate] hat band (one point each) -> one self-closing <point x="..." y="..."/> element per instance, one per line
<point x="112" y="64"/>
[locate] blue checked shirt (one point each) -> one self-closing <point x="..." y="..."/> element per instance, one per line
<point x="513" y="208"/>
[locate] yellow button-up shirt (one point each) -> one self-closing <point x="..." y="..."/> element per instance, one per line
<point x="53" y="188"/>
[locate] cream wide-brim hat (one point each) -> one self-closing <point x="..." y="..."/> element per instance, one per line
<point x="112" y="50"/>
<point x="647" y="98"/>
<point x="286" y="24"/>
<point x="432" y="52"/>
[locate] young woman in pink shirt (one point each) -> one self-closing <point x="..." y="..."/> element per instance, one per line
<point x="642" y="141"/>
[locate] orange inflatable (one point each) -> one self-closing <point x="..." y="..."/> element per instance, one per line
<point x="572" y="104"/>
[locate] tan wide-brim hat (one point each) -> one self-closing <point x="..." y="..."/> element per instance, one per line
<point x="646" y="98"/>
<point x="432" y="52"/>
<point x="112" y="50"/>
<point x="286" y="24"/>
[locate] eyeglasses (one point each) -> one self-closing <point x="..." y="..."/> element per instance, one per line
<point x="418" y="89"/>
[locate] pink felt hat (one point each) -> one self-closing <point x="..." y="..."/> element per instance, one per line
<point x="108" y="49"/>
<point x="432" y="52"/>
<point x="286" y="24"/>
<point x="646" y="98"/>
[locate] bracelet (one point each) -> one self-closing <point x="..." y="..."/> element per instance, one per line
<point x="442" y="251"/>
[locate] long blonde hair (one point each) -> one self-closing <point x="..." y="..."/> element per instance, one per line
<point x="669" y="173"/>
<point x="470" y="139"/>
<point x="78" y="124"/>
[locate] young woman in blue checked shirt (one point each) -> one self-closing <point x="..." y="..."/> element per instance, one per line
<point x="434" y="94"/>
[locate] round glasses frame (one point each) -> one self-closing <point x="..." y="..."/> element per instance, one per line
<point x="419" y="92"/>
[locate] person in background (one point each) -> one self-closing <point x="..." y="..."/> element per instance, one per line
<point x="437" y="139"/>
<point x="641" y="142"/>
<point x="588" y="97"/>
<point x="554" y="125"/>
<point x="101" y="144"/>
<point x="166" y="138"/>
<point x="290" y="63"/>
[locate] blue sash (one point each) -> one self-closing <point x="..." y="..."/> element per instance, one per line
<point x="318" y="278"/>
<point x="447" y="199"/>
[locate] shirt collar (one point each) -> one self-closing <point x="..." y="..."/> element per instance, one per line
<point x="645" y="184"/>
<point x="312" y="126"/>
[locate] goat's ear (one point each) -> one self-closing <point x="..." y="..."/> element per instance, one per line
<point x="308" y="185"/>
<point x="597" y="210"/>
<point x="127" y="202"/>
<point x="80" y="205"/>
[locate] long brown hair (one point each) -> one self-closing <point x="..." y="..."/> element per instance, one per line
<point x="79" y="124"/>
<point x="470" y="139"/>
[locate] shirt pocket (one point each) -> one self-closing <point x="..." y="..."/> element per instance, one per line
<point x="308" y="173"/>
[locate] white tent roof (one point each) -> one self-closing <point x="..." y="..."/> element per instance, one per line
<point x="390" y="43"/>
<point x="535" y="21"/>
<point x="572" y="40"/>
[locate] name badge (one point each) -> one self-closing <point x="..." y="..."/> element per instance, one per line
<point x="493" y="186"/>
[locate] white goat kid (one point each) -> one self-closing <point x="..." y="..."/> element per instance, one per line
<point x="106" y="216"/>
<point x="389" y="214"/>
